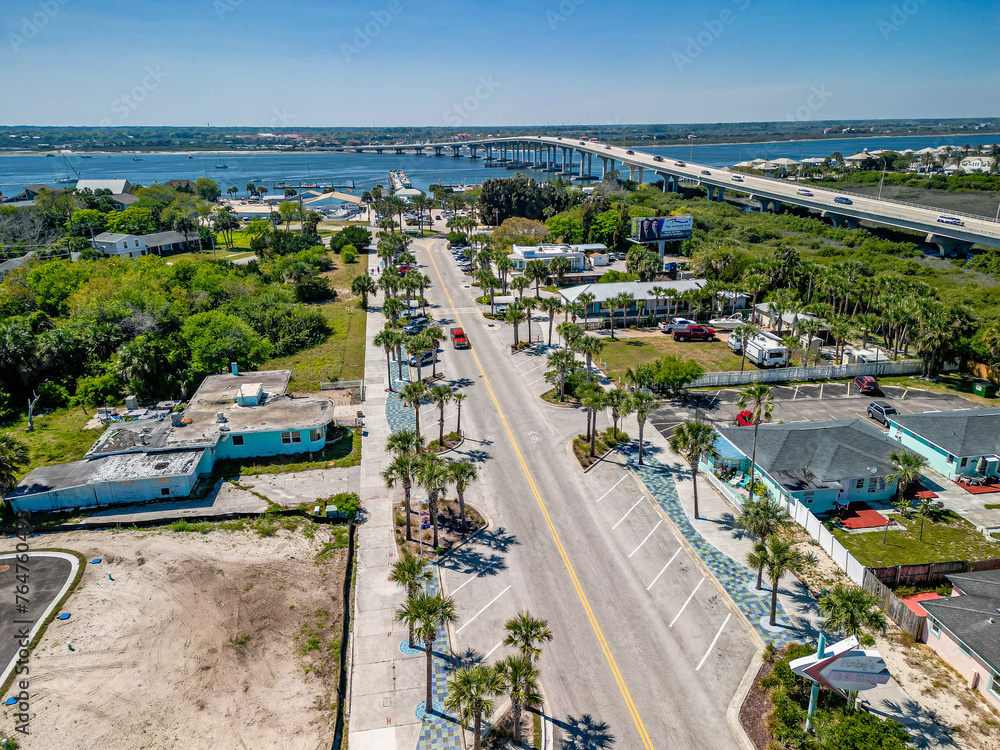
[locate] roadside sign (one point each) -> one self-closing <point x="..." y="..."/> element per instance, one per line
<point x="844" y="667"/>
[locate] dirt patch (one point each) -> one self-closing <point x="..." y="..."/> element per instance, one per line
<point x="450" y="529"/>
<point x="222" y="639"/>
<point x="755" y="713"/>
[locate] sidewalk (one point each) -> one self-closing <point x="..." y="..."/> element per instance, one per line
<point x="724" y="548"/>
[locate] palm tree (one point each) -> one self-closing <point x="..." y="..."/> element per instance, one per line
<point x="694" y="440"/>
<point x="644" y="403"/>
<point x="13" y="454"/>
<point x="514" y="316"/>
<point x="571" y="334"/>
<point x="416" y="345"/>
<point x="519" y="284"/>
<point x="762" y="516"/>
<point x="470" y="695"/>
<point x="401" y="471"/>
<point x="520" y="680"/>
<point x="390" y="339"/>
<point x="852" y="611"/>
<point x="744" y="333"/>
<point x="458" y="398"/>
<point x="585" y="300"/>
<point x="907" y="469"/>
<point x="405" y="441"/>
<point x="411" y="573"/>
<point x="756" y="396"/>
<point x="622" y="404"/>
<point x="392" y="307"/>
<point x="440" y="395"/>
<point x="590" y="347"/>
<point x="462" y="473"/>
<point x="528" y="305"/>
<point x="363" y="285"/>
<point x="426" y="614"/>
<point x="562" y="363"/>
<point x="552" y="306"/>
<point x="592" y="398"/>
<point x="432" y="474"/>
<point x="622" y="301"/>
<point x="526" y="633"/>
<point x="536" y="271"/>
<point x="415" y="394"/>
<point x="778" y="557"/>
<point x="232" y="190"/>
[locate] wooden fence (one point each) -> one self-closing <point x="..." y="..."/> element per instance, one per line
<point x="929" y="573"/>
<point x="907" y="620"/>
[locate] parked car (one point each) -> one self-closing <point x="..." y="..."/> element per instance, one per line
<point x="404" y="268"/>
<point x="416" y="325"/>
<point x="693" y="333"/>
<point x="842" y="199"/>
<point x="668" y="326"/>
<point x="745" y="419"/>
<point x="437" y="218"/>
<point x="657" y="158"/>
<point x="458" y="338"/>
<point x="866" y="384"/>
<point x="880" y="411"/>
<point x="803" y="191"/>
<point x="425" y="359"/>
<point x="953" y="220"/>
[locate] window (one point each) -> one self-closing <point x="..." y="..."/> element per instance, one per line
<point x="860" y="484"/>
<point x="137" y="243"/>
<point x="994" y="686"/>
<point x="872" y="484"/>
<point x="316" y="434"/>
<point x="808" y="497"/>
<point x="165" y="491"/>
<point x="964" y="463"/>
<point x="934" y="626"/>
<point x="237" y="440"/>
<point x="288" y="438"/>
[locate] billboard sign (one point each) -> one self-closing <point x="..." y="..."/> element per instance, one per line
<point x="844" y="667"/>
<point x="650" y="229"/>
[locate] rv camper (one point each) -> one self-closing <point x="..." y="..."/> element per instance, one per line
<point x="764" y="349"/>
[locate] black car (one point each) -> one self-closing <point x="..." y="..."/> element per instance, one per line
<point x="880" y="411"/>
<point x="630" y="152"/>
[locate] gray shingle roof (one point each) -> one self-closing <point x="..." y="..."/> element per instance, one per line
<point x="638" y="289"/>
<point x="966" y="432"/>
<point x="968" y="616"/>
<point x="804" y="455"/>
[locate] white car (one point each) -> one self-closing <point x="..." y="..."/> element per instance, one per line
<point x="669" y="326"/>
<point x="737" y="178"/>
<point x="803" y="191"/>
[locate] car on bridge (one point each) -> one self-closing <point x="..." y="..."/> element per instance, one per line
<point x="657" y="158"/>
<point x="608" y="147"/>
<point x="737" y="178"/>
<point x="693" y="333"/>
<point x="953" y="220"/>
<point x="630" y="152"/>
<point x="842" y="199"/>
<point x="679" y="164"/>
<point x="668" y="327"/>
<point x="705" y="171"/>
<point x="583" y="143"/>
<point x="803" y="191"/>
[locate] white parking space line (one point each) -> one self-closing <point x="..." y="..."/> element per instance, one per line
<point x="626" y="515"/>
<point x="536" y="380"/>
<point x="687" y="602"/>
<point x="615" y="485"/>
<point x="664" y="568"/>
<point x="532" y="369"/>
<point x="469" y="622"/>
<point x="712" y="644"/>
<point x="647" y="537"/>
<point x="526" y="362"/>
<point x="474" y="576"/>
<point x="794" y="395"/>
<point x="490" y="652"/>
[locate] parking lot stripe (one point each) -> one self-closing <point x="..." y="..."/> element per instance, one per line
<point x="536" y="380"/>
<point x="626" y="514"/>
<point x="532" y="369"/>
<point x="687" y="602"/>
<point x="613" y="486"/>
<point x="468" y="623"/>
<point x="490" y="652"/>
<point x="796" y="393"/>
<point x="664" y="568"/>
<point x="712" y="644"/>
<point x="647" y="537"/>
<point x="474" y="576"/>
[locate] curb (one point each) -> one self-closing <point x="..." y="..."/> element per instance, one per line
<point x="450" y="448"/>
<point x="556" y="406"/>
<point x="736" y="704"/>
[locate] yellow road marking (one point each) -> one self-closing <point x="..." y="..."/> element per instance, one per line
<point x="605" y="648"/>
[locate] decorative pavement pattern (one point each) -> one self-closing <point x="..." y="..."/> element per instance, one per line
<point x="737" y="580"/>
<point x="438" y="732"/>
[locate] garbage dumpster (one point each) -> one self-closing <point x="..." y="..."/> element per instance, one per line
<point x="985" y="388"/>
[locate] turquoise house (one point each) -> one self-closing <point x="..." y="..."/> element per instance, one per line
<point x="817" y="463"/>
<point x="963" y="442"/>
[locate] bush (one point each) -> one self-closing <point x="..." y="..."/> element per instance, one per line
<point x="52" y="395"/>
<point x="346" y="503"/>
<point x="457" y="238"/>
<point x="349" y="254"/>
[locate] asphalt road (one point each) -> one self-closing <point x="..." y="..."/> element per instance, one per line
<point x="645" y="652"/>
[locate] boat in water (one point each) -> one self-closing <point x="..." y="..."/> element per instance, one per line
<point x="727" y="322"/>
<point x="398" y="180"/>
<point x="136" y="158"/>
<point x="222" y="166"/>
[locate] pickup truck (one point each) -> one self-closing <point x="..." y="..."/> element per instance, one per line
<point x="458" y="339"/>
<point x="693" y="333"/>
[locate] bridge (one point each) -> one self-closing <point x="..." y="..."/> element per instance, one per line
<point x="574" y="159"/>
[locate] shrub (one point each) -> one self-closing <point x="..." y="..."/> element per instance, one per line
<point x="349" y="255"/>
<point x="52" y="395"/>
<point x="346" y="503"/>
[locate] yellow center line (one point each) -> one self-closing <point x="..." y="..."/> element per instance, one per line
<point x="602" y="641"/>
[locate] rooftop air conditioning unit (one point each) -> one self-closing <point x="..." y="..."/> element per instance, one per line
<point x="176" y="419"/>
<point x="220" y="416"/>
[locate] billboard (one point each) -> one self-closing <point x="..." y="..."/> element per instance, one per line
<point x="650" y="229"/>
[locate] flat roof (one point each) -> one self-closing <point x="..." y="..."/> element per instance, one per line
<point x="56" y="477"/>
<point x="223" y="388"/>
<point x="147" y="465"/>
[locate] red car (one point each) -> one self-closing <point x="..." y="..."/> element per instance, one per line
<point x="404" y="268"/>
<point x="745" y="418"/>
<point x="867" y="384"/>
<point x="693" y="333"/>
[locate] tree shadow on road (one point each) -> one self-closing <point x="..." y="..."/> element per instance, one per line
<point x="470" y="560"/>
<point x="584" y="733"/>
<point x="461" y="382"/>
<point x="499" y="539"/>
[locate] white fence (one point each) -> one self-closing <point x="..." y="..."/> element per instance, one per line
<point x="734" y="499"/>
<point x="844" y="559"/>
<point x="822" y="372"/>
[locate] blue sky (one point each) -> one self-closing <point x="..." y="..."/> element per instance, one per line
<point x="302" y="63"/>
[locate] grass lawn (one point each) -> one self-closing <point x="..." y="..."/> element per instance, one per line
<point x="58" y="437"/>
<point x="955" y="383"/>
<point x="947" y="537"/>
<point x="623" y="354"/>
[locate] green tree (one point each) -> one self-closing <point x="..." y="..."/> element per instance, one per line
<point x="590" y="347"/>
<point x="907" y="467"/>
<point x="363" y="285"/>
<point x="592" y="398"/>
<point x="777" y="557"/>
<point x="527" y="633"/>
<point x="694" y="441"/>
<point x="644" y="403"/>
<point x="288" y="210"/>
<point x="216" y="339"/>
<point x="207" y="189"/>
<point x="432" y="474"/>
<point x="514" y="316"/>
<point x="744" y="333"/>
<point x="427" y="614"/>
<point x="133" y="220"/>
<point x="440" y="395"/>
<point x="763" y="517"/>
<point x="411" y="573"/>
<point x="470" y="694"/>
<point x="13" y="455"/>
<point x="520" y="680"/>
<point x="563" y="366"/>
<point x="415" y="394"/>
<point x="552" y="306"/>
<point x="622" y="403"/>
<point x="672" y="374"/>
<point x="860" y="730"/>
<point x="758" y="400"/>
<point x="463" y="474"/>
<point x="402" y="471"/>
<point x="391" y="340"/>
<point x="852" y="611"/>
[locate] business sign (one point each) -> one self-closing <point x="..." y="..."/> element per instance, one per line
<point x="651" y="229"/>
<point x="844" y="667"/>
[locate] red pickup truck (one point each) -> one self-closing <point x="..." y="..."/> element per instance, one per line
<point x="693" y="333"/>
<point x="458" y="339"/>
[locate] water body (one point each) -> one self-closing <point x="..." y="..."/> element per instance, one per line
<point x="365" y="170"/>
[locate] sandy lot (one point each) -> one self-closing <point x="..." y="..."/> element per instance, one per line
<point x="219" y="640"/>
